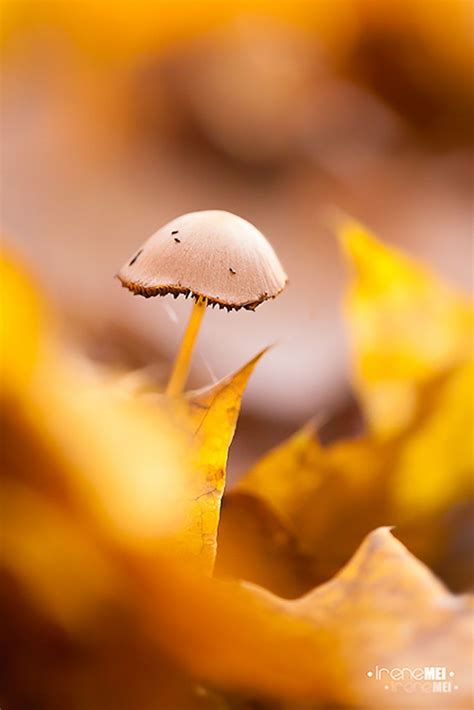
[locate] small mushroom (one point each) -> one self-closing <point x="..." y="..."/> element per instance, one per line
<point x="221" y="260"/>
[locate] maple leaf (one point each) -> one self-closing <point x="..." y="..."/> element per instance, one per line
<point x="414" y="467"/>
<point x="210" y="416"/>
<point x="413" y="362"/>
<point x="384" y="608"/>
<point x="406" y="328"/>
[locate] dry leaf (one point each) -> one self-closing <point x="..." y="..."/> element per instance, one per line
<point x="386" y="610"/>
<point x="287" y="474"/>
<point x="210" y="416"/>
<point x="418" y="475"/>
<point x="255" y="544"/>
<point x="343" y="482"/>
<point x="435" y="467"/>
<point x="406" y="329"/>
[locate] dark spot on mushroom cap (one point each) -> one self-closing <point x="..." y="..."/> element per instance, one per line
<point x="175" y="231"/>
<point x="232" y="270"/>
<point x="135" y="257"/>
<point x="178" y="241"/>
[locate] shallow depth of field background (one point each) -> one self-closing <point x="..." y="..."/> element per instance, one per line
<point x="118" y="116"/>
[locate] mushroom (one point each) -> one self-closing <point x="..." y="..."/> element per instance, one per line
<point x="217" y="258"/>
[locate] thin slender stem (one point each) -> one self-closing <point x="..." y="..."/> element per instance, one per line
<point x="180" y="371"/>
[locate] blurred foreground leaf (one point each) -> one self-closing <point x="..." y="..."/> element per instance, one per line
<point x="109" y="496"/>
<point x="386" y="609"/>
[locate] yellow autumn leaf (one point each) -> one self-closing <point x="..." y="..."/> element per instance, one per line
<point x="417" y="476"/>
<point x="406" y="329"/>
<point x="287" y="474"/>
<point x="255" y="543"/>
<point x="21" y="324"/>
<point x="68" y="583"/>
<point x="420" y="481"/>
<point x="351" y="624"/>
<point x="139" y="441"/>
<point x="344" y="481"/>
<point x="60" y="409"/>
<point x="65" y="422"/>
<point x="436" y="465"/>
<point x="210" y="416"/>
<point x="384" y="609"/>
<point x="213" y="630"/>
<point x="53" y="541"/>
<point x="258" y="537"/>
<point x="412" y="342"/>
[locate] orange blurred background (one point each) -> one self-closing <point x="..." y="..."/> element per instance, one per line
<point x="118" y="116"/>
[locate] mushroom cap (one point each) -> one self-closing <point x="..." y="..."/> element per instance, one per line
<point x="213" y="254"/>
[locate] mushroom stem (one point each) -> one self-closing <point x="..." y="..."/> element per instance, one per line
<point x="180" y="371"/>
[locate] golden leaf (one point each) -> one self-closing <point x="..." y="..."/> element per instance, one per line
<point x="412" y="348"/>
<point x="287" y="474"/>
<point x="386" y="609"/>
<point x="346" y="481"/>
<point x="210" y="416"/>
<point x="436" y="462"/>
<point x="20" y="325"/>
<point x="167" y="455"/>
<point x="256" y="544"/>
<point x="258" y="537"/>
<point x="64" y="423"/>
<point x="406" y="329"/>
<point x="420" y="481"/>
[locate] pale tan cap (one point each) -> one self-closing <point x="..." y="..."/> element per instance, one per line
<point x="213" y="254"/>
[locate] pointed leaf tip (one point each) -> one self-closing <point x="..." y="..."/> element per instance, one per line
<point x="352" y="235"/>
<point x="241" y="375"/>
<point x="210" y="415"/>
